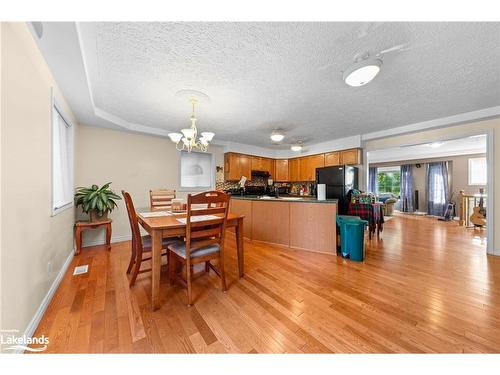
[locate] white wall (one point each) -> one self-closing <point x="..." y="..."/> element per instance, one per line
<point x="31" y="237"/>
<point x="133" y="162"/>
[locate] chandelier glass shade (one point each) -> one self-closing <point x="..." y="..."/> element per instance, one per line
<point x="187" y="139"/>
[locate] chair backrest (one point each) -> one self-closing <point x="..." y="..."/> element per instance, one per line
<point x="206" y="232"/>
<point x="161" y="198"/>
<point x="134" y="225"/>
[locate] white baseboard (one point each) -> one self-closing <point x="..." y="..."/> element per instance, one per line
<point x="102" y="241"/>
<point x="33" y="324"/>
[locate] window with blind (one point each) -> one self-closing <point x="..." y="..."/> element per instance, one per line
<point x="62" y="162"/>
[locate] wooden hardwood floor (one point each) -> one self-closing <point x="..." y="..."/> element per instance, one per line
<point x="426" y="286"/>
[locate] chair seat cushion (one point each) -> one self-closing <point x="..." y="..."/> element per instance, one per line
<point x="146" y="242"/>
<point x="179" y="247"/>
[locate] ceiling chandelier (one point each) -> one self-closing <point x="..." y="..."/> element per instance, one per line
<point x="188" y="140"/>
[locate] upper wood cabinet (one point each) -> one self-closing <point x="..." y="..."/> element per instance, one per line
<point x="246" y="166"/>
<point x="294" y="169"/>
<point x="237" y="165"/>
<point x="350" y="157"/>
<point x="262" y="164"/>
<point x="308" y="166"/>
<point x="281" y="170"/>
<point x="332" y="159"/>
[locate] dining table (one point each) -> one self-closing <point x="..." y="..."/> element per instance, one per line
<point x="168" y="226"/>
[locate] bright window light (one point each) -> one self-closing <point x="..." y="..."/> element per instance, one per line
<point x="477" y="171"/>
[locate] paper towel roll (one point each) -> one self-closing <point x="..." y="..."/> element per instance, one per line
<point x="321" y="192"/>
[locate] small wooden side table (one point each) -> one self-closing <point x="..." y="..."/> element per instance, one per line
<point x="80" y="226"/>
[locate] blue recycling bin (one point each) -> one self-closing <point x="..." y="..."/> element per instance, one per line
<point x="352" y="237"/>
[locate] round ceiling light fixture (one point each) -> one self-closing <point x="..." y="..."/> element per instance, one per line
<point x="277" y="136"/>
<point x="362" y="72"/>
<point x="297" y="147"/>
<point x="436" y="144"/>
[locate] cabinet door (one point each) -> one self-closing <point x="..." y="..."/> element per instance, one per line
<point x="315" y="161"/>
<point x="332" y="159"/>
<point x="281" y="170"/>
<point x="231" y="166"/>
<point x="294" y="169"/>
<point x="256" y="163"/>
<point x="267" y="165"/>
<point x="304" y="168"/>
<point x="350" y="157"/>
<point x="245" y="164"/>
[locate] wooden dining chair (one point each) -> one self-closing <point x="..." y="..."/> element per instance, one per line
<point x="204" y="239"/>
<point x="140" y="244"/>
<point x="161" y="198"/>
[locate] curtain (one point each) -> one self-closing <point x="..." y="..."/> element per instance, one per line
<point x="438" y="192"/>
<point x="372" y="180"/>
<point x="406" y="188"/>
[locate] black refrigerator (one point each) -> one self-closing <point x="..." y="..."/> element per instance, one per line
<point x="338" y="180"/>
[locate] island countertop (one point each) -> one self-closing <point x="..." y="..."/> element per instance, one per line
<point x="307" y="223"/>
<point x="291" y="199"/>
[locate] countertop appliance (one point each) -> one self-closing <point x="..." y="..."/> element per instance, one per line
<point x="338" y="181"/>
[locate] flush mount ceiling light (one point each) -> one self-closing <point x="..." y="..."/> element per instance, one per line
<point x="436" y="144"/>
<point x="277" y="136"/>
<point x="362" y="71"/>
<point x="297" y="146"/>
<point x="188" y="138"/>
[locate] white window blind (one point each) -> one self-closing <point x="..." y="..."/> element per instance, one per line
<point x="477" y="171"/>
<point x="197" y="171"/>
<point x="62" y="162"/>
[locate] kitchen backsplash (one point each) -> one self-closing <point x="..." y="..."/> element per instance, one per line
<point x="260" y="181"/>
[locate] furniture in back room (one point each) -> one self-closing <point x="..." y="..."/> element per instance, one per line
<point x="140" y="244"/>
<point x="204" y="242"/>
<point x="389" y="206"/>
<point x="161" y="198"/>
<point x="371" y="212"/>
<point x="81" y="226"/>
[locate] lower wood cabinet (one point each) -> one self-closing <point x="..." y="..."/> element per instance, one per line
<point x="242" y="207"/>
<point x="301" y="225"/>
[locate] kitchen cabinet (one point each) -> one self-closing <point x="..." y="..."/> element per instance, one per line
<point x="350" y="157"/>
<point x="262" y="164"/>
<point x="308" y="165"/>
<point x="281" y="170"/>
<point x="332" y="159"/>
<point x="293" y="169"/>
<point x="236" y="165"/>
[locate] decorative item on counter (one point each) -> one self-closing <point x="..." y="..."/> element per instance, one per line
<point x="178" y="205"/>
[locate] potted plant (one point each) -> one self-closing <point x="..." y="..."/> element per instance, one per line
<point x="96" y="201"/>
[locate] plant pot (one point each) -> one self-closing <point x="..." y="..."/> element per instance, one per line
<point x="95" y="218"/>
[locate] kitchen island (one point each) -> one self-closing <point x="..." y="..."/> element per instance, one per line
<point x="300" y="223"/>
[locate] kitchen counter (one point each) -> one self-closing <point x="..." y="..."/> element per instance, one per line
<point x="310" y="225"/>
<point x="284" y="198"/>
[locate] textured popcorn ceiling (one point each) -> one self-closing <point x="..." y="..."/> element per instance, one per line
<point x="261" y="76"/>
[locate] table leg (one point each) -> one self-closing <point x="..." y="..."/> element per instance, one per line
<point x="156" y="237"/>
<point x="108" y="236"/>
<point x="78" y="240"/>
<point x="239" y="246"/>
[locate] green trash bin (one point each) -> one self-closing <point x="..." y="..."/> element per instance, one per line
<point x="341" y="220"/>
<point x="354" y="239"/>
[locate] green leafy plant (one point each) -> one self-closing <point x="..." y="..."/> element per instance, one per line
<point x="95" y="198"/>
